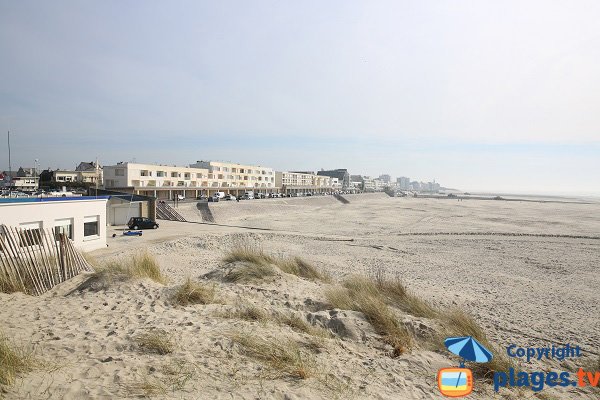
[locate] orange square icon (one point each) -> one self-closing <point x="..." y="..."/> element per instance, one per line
<point x="455" y="382"/>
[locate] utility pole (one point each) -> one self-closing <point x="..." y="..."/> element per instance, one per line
<point x="9" y="168"/>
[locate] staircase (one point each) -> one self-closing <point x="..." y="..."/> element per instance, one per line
<point x="165" y="211"/>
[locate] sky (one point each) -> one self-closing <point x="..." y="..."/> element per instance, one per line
<point x="478" y="95"/>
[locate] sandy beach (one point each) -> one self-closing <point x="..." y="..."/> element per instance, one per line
<point x="526" y="271"/>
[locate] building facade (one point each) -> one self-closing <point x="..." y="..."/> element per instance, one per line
<point x="201" y="178"/>
<point x="82" y="219"/>
<point x="302" y="182"/>
<point x="341" y="174"/>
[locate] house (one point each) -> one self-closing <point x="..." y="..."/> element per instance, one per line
<point x="82" y="219"/>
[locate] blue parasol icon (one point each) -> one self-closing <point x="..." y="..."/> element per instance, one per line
<point x="469" y="349"/>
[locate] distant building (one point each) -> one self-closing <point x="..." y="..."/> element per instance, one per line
<point x="341" y="174"/>
<point x="403" y="183"/>
<point x="296" y="182"/>
<point x="24" y="179"/>
<point x="385" y="179"/>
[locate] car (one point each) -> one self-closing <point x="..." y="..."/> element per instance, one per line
<point x="136" y="223"/>
<point x="202" y="197"/>
<point x="180" y="197"/>
<point x="214" y="198"/>
<point x="229" y="197"/>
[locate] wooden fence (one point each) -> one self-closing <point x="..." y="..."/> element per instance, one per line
<point x="33" y="261"/>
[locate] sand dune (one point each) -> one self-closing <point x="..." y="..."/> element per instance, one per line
<point x="532" y="289"/>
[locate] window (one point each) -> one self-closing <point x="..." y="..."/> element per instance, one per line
<point x="174" y="175"/>
<point x="91" y="226"/>
<point x="160" y="174"/>
<point x="144" y="173"/>
<point x="119" y="172"/>
<point x="30" y="234"/>
<point x="63" y="227"/>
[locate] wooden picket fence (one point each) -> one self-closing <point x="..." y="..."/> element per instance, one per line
<point x="33" y="261"/>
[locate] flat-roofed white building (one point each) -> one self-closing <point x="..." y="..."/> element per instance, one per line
<point x="235" y="178"/>
<point x="161" y="181"/>
<point x="82" y="219"/>
<point x="296" y="182"/>
<point x="201" y="178"/>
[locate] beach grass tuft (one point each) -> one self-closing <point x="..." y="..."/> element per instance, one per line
<point x="14" y="360"/>
<point x="156" y="341"/>
<point x="260" y="265"/>
<point x="285" y="357"/>
<point x="192" y="292"/>
<point x="360" y="293"/>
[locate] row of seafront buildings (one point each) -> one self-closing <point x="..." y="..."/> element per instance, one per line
<point x="209" y="177"/>
<point x="205" y="178"/>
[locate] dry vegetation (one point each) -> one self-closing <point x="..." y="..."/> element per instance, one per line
<point x="140" y="266"/>
<point x="14" y="360"/>
<point x="10" y="285"/>
<point x="260" y="265"/>
<point x="250" y="273"/>
<point x="195" y="293"/>
<point x="373" y="296"/>
<point x="156" y="341"/>
<point x="172" y="377"/>
<point x="360" y="294"/>
<point x="285" y="357"/>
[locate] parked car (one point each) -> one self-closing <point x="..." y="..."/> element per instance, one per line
<point x="180" y="197"/>
<point x="214" y="198"/>
<point x="136" y="223"/>
<point x="202" y="197"/>
<point x="229" y="197"/>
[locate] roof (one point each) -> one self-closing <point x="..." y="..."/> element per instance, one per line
<point x="50" y="199"/>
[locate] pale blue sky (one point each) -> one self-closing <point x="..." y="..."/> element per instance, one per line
<point x="480" y="95"/>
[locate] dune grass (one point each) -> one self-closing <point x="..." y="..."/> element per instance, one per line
<point x="249" y="312"/>
<point x="195" y="293"/>
<point x="284" y="357"/>
<point x="396" y="294"/>
<point x="14" y="360"/>
<point x="144" y="265"/>
<point x="250" y="273"/>
<point x="361" y="294"/>
<point x="260" y="265"/>
<point x="139" y="266"/>
<point x="156" y="341"/>
<point x="171" y="377"/>
<point x="10" y="285"/>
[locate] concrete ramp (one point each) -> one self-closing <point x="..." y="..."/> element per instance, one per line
<point x="341" y="199"/>
<point x="205" y="212"/>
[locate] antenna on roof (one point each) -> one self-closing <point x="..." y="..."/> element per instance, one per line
<point x="9" y="167"/>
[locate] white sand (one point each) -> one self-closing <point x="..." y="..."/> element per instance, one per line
<point x="528" y="290"/>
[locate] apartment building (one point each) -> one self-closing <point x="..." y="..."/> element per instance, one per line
<point x="161" y="181"/>
<point x="237" y="178"/>
<point x="201" y="178"/>
<point x="296" y="182"/>
<point x="341" y="174"/>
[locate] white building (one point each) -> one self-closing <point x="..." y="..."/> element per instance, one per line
<point x="203" y="177"/>
<point x="82" y="219"/>
<point x="229" y="176"/>
<point x="294" y="182"/>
